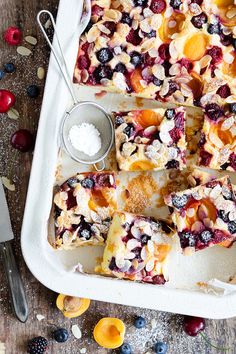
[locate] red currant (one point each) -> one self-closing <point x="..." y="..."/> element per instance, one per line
<point x="7" y="100"/>
<point x="13" y="36"/>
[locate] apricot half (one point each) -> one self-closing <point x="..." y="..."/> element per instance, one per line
<point x="196" y="85"/>
<point x="169" y="26"/>
<point x="230" y="69"/>
<point x="227" y="14"/>
<point x="72" y="306"/>
<point x="195" y="46"/>
<point x="204" y="203"/>
<point x="135" y="79"/>
<point x="97" y="199"/>
<point x="109" y="332"/>
<point x="141" y="166"/>
<point x="147" y="117"/>
<point x="224" y="135"/>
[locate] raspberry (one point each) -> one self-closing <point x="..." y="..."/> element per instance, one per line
<point x="206" y="236"/>
<point x="232" y="161"/>
<point x="163" y="51"/>
<point x="83" y="62"/>
<point x="175" y="134"/>
<point x="224" y="91"/>
<point x="37" y="345"/>
<point x="214" y="111"/>
<point x="179" y="121"/>
<point x="97" y="10"/>
<point x="133" y="37"/>
<point x="205" y="158"/>
<point x="158" y="279"/>
<point x="216" y="54"/>
<point x="158" y="6"/>
<point x="13" y="36"/>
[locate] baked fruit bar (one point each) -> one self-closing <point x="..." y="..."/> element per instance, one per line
<point x="218" y="142"/>
<point x="83" y="209"/>
<point x="204" y="215"/>
<point x="136" y="248"/>
<point x="170" y="50"/>
<point x="150" y="139"/>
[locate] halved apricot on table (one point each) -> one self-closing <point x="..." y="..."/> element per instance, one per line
<point x="72" y="306"/>
<point x="195" y="46"/>
<point x="171" y="25"/>
<point x="135" y="79"/>
<point x="109" y="332"/>
<point x="147" y="118"/>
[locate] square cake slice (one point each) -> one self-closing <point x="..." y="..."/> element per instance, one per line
<point x="84" y="206"/>
<point x="204" y="215"/>
<point x="150" y="139"/>
<point x="136" y="248"/>
<point x="218" y="143"/>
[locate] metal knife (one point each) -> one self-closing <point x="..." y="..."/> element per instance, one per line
<point x="19" y="303"/>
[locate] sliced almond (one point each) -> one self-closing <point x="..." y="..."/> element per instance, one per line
<point x="7" y="183"/>
<point x="76" y="331"/>
<point x="31" y="40"/>
<point x="41" y="73"/>
<point x="23" y="51"/>
<point x="13" y="113"/>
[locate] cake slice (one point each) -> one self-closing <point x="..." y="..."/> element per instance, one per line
<point x="150" y="139"/>
<point x="136" y="248"/>
<point x="204" y="215"/>
<point x="83" y="209"/>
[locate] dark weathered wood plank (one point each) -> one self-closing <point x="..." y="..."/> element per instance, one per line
<point x="41" y="300"/>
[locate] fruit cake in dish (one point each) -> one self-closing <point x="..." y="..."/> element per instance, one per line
<point x="218" y="142"/>
<point x="204" y="215"/>
<point x="136" y="248"/>
<point x="83" y="209"/>
<point x="150" y="139"/>
<point x="170" y="50"/>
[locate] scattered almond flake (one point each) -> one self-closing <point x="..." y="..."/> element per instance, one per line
<point x="40" y="317"/>
<point x="153" y="323"/>
<point x="13" y="113"/>
<point x="227" y="123"/>
<point x="7" y="183"/>
<point x="31" y="40"/>
<point x="48" y="24"/>
<point x="41" y="73"/>
<point x="83" y="350"/>
<point x="76" y="331"/>
<point x="228" y="58"/>
<point x="23" y="51"/>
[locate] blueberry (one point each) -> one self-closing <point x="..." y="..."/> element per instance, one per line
<point x="33" y="91"/>
<point x="9" y="68"/>
<point x="2" y="74"/>
<point x="175" y="4"/>
<point x="102" y="72"/>
<point x="214" y="28"/>
<point x="214" y="111"/>
<point x="85" y="234"/>
<point x="233" y="107"/>
<point x="157" y="81"/>
<point x="187" y="239"/>
<point x="172" y="164"/>
<point x="199" y="20"/>
<point x="72" y="181"/>
<point x="87" y="183"/>
<point x="139" y="322"/>
<point x="104" y="55"/>
<point x="126" y="18"/>
<point x="61" y="335"/>
<point x="232" y="227"/>
<point x="151" y="34"/>
<point x="128" y="130"/>
<point x="160" y="348"/>
<point x="120" y="68"/>
<point x="234" y="43"/>
<point x="170" y="113"/>
<point x="224" y="166"/>
<point x="179" y="201"/>
<point x="144" y="239"/>
<point x="125" y="349"/>
<point x="135" y="58"/>
<point x="140" y="3"/>
<point x="206" y="236"/>
<point x="118" y="121"/>
<point x="223" y="215"/>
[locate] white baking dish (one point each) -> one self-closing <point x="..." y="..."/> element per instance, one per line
<point x="53" y="268"/>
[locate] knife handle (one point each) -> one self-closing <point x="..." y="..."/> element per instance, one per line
<point x="19" y="303"/>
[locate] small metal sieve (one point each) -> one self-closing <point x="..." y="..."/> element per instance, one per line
<point x="84" y="111"/>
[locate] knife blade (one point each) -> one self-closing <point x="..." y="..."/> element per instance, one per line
<point x="6" y="233"/>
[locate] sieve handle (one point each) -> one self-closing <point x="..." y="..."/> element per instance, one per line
<point x="102" y="164"/>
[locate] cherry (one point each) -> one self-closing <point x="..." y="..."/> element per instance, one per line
<point x="13" y="35"/>
<point x="22" y="140"/>
<point x="7" y="100"/>
<point x="193" y="325"/>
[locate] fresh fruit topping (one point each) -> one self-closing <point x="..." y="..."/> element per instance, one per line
<point x="216" y="54"/>
<point x="214" y="111"/>
<point x="139" y="322"/>
<point x="170" y="113"/>
<point x="187" y="64"/>
<point x="205" y="158"/>
<point x="172" y="164"/>
<point x="72" y="306"/>
<point x="126" y="18"/>
<point x="187" y="239"/>
<point x="102" y="72"/>
<point x="111" y="26"/>
<point x="196" y="85"/>
<point x="135" y="58"/>
<point x="163" y="51"/>
<point x="37" y="345"/>
<point x="87" y="183"/>
<point x="158" y="6"/>
<point x="171" y="25"/>
<point x="140" y="3"/>
<point x="193" y="325"/>
<point x="206" y="236"/>
<point x="223" y="215"/>
<point x="195" y="46"/>
<point x="175" y="4"/>
<point x="147" y="117"/>
<point x="135" y="79"/>
<point x="141" y="166"/>
<point x="33" y="91"/>
<point x="179" y="201"/>
<point x="226" y="39"/>
<point x="97" y="10"/>
<point x="151" y="34"/>
<point x="83" y="62"/>
<point x="233" y="107"/>
<point x="199" y="20"/>
<point x="224" y="91"/>
<point x="22" y="140"/>
<point x="9" y="68"/>
<point x="160" y="348"/>
<point x="104" y="55"/>
<point x="125" y="349"/>
<point x="133" y="37"/>
<point x="214" y="28"/>
<point x="120" y="68"/>
<point x="173" y="86"/>
<point x="2" y="74"/>
<point x="7" y="100"/>
<point x="129" y="130"/>
<point x="118" y="121"/>
<point x="13" y="36"/>
<point x="230" y="69"/>
<point x="109" y="332"/>
<point x="232" y="227"/>
<point x="60" y="335"/>
<point x="157" y="81"/>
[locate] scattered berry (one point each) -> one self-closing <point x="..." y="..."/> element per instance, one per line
<point x="136" y="58"/>
<point x="87" y="183"/>
<point x="128" y="130"/>
<point x="110" y="25"/>
<point x="199" y="2"/>
<point x="224" y="91"/>
<point x="102" y="72"/>
<point x="133" y="37"/>
<point x="226" y="40"/>
<point x="120" y="68"/>
<point x="193" y="325"/>
<point x="140" y="3"/>
<point x="170" y="113"/>
<point x="223" y="215"/>
<point x="157" y="81"/>
<point x="9" y="68"/>
<point x="2" y="74"/>
<point x="163" y="51"/>
<point x="126" y="18"/>
<point x="206" y="236"/>
<point x="37" y="345"/>
<point x="214" y="28"/>
<point x="158" y="280"/>
<point x="175" y="4"/>
<point x="83" y="62"/>
<point x="233" y="107"/>
<point x="13" y="36"/>
<point x="33" y="91"/>
<point x="125" y="349"/>
<point x="160" y="348"/>
<point x="172" y="164"/>
<point x="22" y="140"/>
<point x="199" y="20"/>
<point x="216" y="54"/>
<point x="97" y="10"/>
<point x="151" y="34"/>
<point x="7" y="100"/>
<point x="118" y="121"/>
<point x="187" y="239"/>
<point x="173" y="86"/>
<point x="179" y="201"/>
<point x="104" y="55"/>
<point x="205" y="158"/>
<point x="232" y="227"/>
<point x="139" y="322"/>
<point x="158" y="6"/>
<point x="61" y="335"/>
<point x="214" y="111"/>
<point x="187" y="64"/>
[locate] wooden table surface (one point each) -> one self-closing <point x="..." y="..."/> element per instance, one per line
<point x="16" y="166"/>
